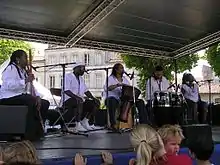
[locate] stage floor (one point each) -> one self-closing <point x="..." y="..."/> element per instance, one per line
<point x="59" y="147"/>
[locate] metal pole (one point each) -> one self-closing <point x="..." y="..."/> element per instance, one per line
<point x="175" y="70"/>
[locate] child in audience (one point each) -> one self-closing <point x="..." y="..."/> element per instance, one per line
<point x="172" y="136"/>
<point x="150" y="148"/>
<point x="201" y="149"/>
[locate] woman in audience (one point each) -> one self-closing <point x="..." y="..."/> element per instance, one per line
<point x="23" y="152"/>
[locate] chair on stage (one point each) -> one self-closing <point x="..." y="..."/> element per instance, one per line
<point x="59" y="108"/>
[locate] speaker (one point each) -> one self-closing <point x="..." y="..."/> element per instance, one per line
<point x="12" y="121"/>
<point x="194" y="131"/>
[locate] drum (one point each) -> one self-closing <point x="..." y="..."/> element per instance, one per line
<point x="127" y="92"/>
<point x="176" y="99"/>
<point x="125" y="113"/>
<point x="161" y="99"/>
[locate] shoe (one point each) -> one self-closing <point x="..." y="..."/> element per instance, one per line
<point x="85" y="124"/>
<point x="79" y="127"/>
<point x="96" y="127"/>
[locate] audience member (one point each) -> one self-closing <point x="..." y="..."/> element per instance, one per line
<point x="201" y="149"/>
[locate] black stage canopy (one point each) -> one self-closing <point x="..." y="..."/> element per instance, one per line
<point x="151" y="28"/>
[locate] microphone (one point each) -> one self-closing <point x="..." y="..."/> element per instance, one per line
<point x="132" y="75"/>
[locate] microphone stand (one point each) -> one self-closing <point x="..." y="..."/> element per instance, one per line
<point x="63" y="65"/>
<point x="210" y="100"/>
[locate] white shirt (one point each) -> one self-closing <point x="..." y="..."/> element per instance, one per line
<point x="156" y="85"/>
<point x="116" y="93"/>
<point x="12" y="83"/>
<point x="76" y="87"/>
<point x="191" y="93"/>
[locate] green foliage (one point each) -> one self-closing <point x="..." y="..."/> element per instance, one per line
<point x="145" y="66"/>
<point x="7" y="46"/>
<point x="213" y="57"/>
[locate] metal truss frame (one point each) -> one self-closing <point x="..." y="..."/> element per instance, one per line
<point x="197" y="45"/>
<point x="100" y="13"/>
<point x="122" y="49"/>
<point x="32" y="37"/>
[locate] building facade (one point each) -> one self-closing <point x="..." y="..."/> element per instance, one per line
<point x="96" y="63"/>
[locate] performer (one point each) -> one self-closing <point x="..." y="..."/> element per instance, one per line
<point x="115" y="82"/>
<point x="161" y="115"/>
<point x="190" y="91"/>
<point x="74" y="101"/>
<point x="14" y="92"/>
<point x="157" y="82"/>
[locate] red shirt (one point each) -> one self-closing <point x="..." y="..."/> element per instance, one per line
<point x="178" y="160"/>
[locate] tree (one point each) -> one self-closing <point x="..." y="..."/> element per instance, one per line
<point x="7" y="46"/>
<point x="213" y="57"/>
<point x="145" y="66"/>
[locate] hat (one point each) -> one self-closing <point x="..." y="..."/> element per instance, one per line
<point x="77" y="64"/>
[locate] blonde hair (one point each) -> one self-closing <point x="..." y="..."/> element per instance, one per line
<point x="170" y="130"/>
<point x="146" y="141"/>
<point x="20" y="152"/>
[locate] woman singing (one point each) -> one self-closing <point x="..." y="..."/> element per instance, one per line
<point x="115" y="82"/>
<point x="14" y="92"/>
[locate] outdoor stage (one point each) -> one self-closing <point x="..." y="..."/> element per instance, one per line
<point x="61" y="149"/>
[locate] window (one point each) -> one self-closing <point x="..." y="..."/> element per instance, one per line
<point x="86" y="59"/>
<point x="98" y="80"/>
<point x="98" y="59"/>
<point x="52" y="81"/>
<point x="63" y="58"/>
<point x="87" y="80"/>
<point x="74" y="58"/>
<point x="61" y="80"/>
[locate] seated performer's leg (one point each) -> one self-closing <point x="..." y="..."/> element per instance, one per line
<point x="143" y="115"/>
<point x="112" y="105"/>
<point x="192" y="111"/>
<point x="44" y="108"/>
<point x="89" y="110"/>
<point x="203" y="110"/>
<point x="34" y="129"/>
<point x="76" y="109"/>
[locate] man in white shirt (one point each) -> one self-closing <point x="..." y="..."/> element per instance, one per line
<point x="156" y="83"/>
<point x="74" y="101"/>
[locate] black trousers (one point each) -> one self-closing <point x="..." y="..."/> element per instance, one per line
<point x="89" y="109"/>
<point x="34" y="128"/>
<point x="192" y="111"/>
<point x="113" y="104"/>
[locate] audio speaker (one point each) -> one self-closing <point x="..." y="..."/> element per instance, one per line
<point x="12" y="121"/>
<point x="194" y="131"/>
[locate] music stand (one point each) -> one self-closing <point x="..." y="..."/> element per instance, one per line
<point x="63" y="65"/>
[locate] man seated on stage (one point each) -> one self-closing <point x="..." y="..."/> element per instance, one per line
<point x="115" y="82"/>
<point x="15" y="79"/>
<point x="190" y="92"/>
<point x="74" y="101"/>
